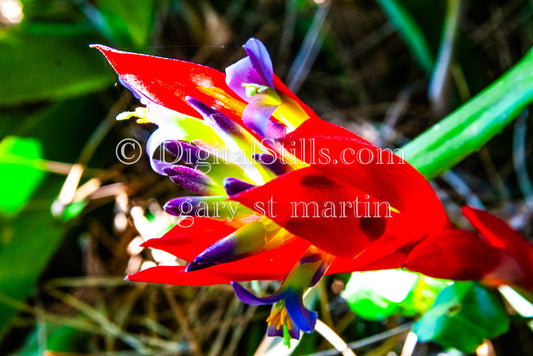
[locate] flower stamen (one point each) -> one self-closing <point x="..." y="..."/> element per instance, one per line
<point x="279" y="317"/>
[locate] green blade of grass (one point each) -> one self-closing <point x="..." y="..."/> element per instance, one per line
<point x="410" y="32"/>
<point x="439" y="88"/>
<point x="473" y="124"/>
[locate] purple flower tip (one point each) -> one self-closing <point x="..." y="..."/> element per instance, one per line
<point x="303" y="318"/>
<point x="216" y="118"/>
<point x="260" y="59"/>
<point x="186" y="205"/>
<point x="186" y="152"/>
<point x="272" y="163"/>
<point x="234" y="185"/>
<point x="220" y="252"/>
<point x="251" y="299"/>
<point x="190" y="179"/>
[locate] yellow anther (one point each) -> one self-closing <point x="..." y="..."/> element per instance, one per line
<point x="283" y="316"/>
<point x="144" y="121"/>
<point x="141" y="113"/>
<point x="279" y="317"/>
<point x="289" y="323"/>
<point x="271" y="320"/>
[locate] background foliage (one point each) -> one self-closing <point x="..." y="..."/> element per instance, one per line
<point x="386" y="69"/>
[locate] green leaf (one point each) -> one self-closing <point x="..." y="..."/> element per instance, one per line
<point x="473" y="124"/>
<point x="127" y="23"/>
<point x="410" y="32"/>
<point x="43" y="62"/>
<point x="424" y="294"/>
<point x="463" y="316"/>
<point x="377" y="295"/>
<point x="20" y="172"/>
<point x="60" y="339"/>
<point x="65" y="339"/>
<point x="27" y="242"/>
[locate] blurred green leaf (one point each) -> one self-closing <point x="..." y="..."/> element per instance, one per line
<point x="424" y="294"/>
<point x="49" y="11"/>
<point x="43" y="62"/>
<point x="63" y="127"/>
<point x="463" y="316"/>
<point x="20" y="172"/>
<point x="9" y="121"/>
<point x="27" y="242"/>
<point x="473" y="124"/>
<point x="410" y="32"/>
<point x="377" y="295"/>
<point x="60" y="339"/>
<point x="66" y="339"/>
<point x="126" y="23"/>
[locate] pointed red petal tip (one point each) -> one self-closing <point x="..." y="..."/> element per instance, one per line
<point x="454" y="254"/>
<point x="98" y="46"/>
<point x="497" y="231"/>
<point x="167" y="81"/>
<point x="105" y="49"/>
<point x="503" y="237"/>
<point x="176" y="275"/>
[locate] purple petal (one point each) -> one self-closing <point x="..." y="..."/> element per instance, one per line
<point x="294" y="333"/>
<point x="310" y="258"/>
<point x="256" y="115"/>
<point x="272" y="331"/>
<point x="272" y="163"/>
<point x="191" y="179"/>
<point x="251" y="299"/>
<point x="303" y="318"/>
<point x="247" y="240"/>
<point x="240" y="73"/>
<point x="153" y="143"/>
<point x="187" y="152"/>
<point x="220" y="252"/>
<point x="260" y="59"/>
<point x="206" y="206"/>
<point x="319" y="273"/>
<point x="275" y="130"/>
<point x="234" y="185"/>
<point x="216" y="118"/>
<point x="186" y="206"/>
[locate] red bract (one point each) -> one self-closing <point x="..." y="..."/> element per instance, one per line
<point x="270" y="265"/>
<point x="496" y="255"/>
<point x="168" y="82"/>
<point x="378" y="172"/>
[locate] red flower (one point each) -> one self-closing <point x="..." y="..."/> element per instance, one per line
<point x="496" y="255"/>
<point x="307" y="198"/>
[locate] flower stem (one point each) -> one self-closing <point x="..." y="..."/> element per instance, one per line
<point x="333" y="338"/>
<point x="473" y="124"/>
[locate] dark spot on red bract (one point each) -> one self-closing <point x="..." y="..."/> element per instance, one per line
<point x="317" y="181"/>
<point x="373" y="227"/>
